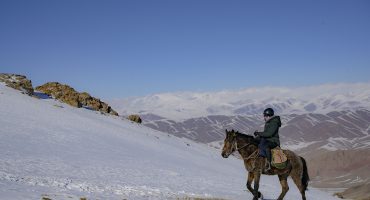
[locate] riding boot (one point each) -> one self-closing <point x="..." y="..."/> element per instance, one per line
<point x="268" y="156"/>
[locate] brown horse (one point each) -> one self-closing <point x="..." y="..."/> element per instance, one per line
<point x="247" y="147"/>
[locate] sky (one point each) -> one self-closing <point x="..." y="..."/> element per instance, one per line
<point x="118" y="49"/>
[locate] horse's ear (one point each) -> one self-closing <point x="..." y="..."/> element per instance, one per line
<point x="235" y="133"/>
<point x="232" y="130"/>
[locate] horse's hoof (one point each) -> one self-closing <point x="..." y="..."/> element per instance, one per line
<point x="260" y="195"/>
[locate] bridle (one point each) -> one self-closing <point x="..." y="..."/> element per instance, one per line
<point x="235" y="143"/>
<point x="237" y="149"/>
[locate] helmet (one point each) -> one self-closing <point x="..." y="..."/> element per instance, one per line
<point x="268" y="112"/>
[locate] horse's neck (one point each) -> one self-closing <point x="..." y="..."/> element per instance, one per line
<point x="245" y="148"/>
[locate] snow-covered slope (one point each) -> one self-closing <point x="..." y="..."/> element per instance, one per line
<point x="298" y="100"/>
<point x="53" y="150"/>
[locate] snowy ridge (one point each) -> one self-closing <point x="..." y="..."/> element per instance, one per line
<point x="299" y="100"/>
<point x="48" y="148"/>
<point x="344" y="130"/>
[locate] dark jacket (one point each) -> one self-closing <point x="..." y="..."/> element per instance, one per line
<point x="271" y="130"/>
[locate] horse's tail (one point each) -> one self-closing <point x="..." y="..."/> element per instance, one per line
<point x="305" y="177"/>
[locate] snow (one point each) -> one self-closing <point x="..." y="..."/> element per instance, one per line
<point x="50" y="149"/>
<point x="298" y="145"/>
<point x="341" y="143"/>
<point x="184" y="105"/>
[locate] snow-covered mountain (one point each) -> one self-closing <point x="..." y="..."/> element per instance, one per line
<point x="324" y="122"/>
<point x="52" y="150"/>
<point x="332" y="116"/>
<point x="339" y="139"/>
<point x="337" y="130"/>
<point x="297" y="100"/>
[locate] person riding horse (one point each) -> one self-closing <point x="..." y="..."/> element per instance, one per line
<point x="269" y="138"/>
<point x="248" y="148"/>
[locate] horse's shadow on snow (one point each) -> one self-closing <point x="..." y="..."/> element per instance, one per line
<point x="266" y="199"/>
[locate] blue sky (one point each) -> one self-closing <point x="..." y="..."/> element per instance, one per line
<point x="115" y="49"/>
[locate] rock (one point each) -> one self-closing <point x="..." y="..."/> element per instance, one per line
<point x="70" y="96"/>
<point x="18" y="82"/>
<point x="135" y="118"/>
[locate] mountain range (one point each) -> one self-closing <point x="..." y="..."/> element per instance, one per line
<point x="328" y="124"/>
<point x="252" y="101"/>
<point x="331" y="117"/>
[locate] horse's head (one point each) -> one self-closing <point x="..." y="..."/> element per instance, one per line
<point x="229" y="143"/>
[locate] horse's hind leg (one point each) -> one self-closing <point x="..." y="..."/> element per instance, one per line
<point x="298" y="182"/>
<point x="284" y="186"/>
<point x="249" y="184"/>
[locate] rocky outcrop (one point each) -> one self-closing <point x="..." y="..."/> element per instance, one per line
<point x="70" y="96"/>
<point x="135" y="118"/>
<point x="18" y="82"/>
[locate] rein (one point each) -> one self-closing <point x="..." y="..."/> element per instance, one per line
<point x="237" y="149"/>
<point x="255" y="153"/>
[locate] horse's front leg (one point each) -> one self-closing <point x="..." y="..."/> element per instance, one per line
<point x="256" y="193"/>
<point x="249" y="183"/>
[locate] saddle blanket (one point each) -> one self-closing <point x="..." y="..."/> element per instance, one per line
<point x="279" y="159"/>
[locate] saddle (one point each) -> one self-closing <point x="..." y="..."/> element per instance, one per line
<point x="279" y="159"/>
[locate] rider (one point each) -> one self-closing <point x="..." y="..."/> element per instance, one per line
<point x="269" y="138"/>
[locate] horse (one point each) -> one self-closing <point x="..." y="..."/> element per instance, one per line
<point x="247" y="146"/>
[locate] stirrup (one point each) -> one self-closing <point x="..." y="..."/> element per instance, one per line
<point x="267" y="165"/>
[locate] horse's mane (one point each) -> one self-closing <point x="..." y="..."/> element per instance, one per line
<point x="247" y="137"/>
